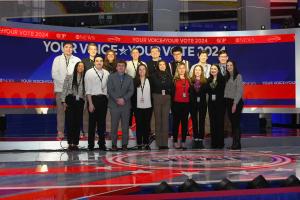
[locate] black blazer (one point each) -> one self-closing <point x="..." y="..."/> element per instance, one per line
<point x="162" y="81"/>
<point x="218" y="90"/>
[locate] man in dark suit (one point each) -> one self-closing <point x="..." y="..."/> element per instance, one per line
<point x="120" y="89"/>
<point x="177" y="54"/>
<point x="223" y="57"/>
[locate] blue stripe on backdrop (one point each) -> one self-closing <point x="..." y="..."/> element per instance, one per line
<point x="269" y="102"/>
<point x="27" y="101"/>
<point x="31" y="125"/>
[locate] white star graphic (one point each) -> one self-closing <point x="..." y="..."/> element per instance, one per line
<point x="123" y="50"/>
<point x="141" y="172"/>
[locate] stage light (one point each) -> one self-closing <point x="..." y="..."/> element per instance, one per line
<point x="258" y="182"/>
<point x="262" y="27"/>
<point x="189" y="186"/>
<point x="291" y="181"/>
<point x="226" y="184"/>
<point x="163" y="187"/>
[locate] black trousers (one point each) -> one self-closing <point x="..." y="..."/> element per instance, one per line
<point x="235" y="119"/>
<point x="132" y="112"/>
<point x="180" y="115"/>
<point x="198" y="114"/>
<point x="73" y="119"/>
<point x="98" y="117"/>
<point x="143" y="120"/>
<point x="216" y="117"/>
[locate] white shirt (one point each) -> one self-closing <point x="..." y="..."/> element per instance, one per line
<point x="206" y="69"/>
<point x="93" y="84"/>
<point x="61" y="68"/>
<point x="132" y="67"/>
<point x="145" y="96"/>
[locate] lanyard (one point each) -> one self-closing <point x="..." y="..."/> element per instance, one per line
<point x="101" y="78"/>
<point x="135" y="68"/>
<point x="67" y="62"/>
<point x="142" y="87"/>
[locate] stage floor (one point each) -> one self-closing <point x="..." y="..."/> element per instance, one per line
<point x="88" y="175"/>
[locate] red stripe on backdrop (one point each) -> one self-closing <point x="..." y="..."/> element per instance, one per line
<point x="27" y="90"/>
<point x="278" y="91"/>
<point x="85" y="37"/>
<point x="45" y="90"/>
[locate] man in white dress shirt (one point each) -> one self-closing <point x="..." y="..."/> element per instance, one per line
<point x="132" y="65"/>
<point x="203" y="57"/>
<point x="62" y="66"/>
<point x="96" y="91"/>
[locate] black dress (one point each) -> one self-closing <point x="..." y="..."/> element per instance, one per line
<point x="216" y="110"/>
<point x="198" y="108"/>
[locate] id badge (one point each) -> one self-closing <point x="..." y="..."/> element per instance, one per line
<point x="184" y="95"/>
<point x="213" y="97"/>
<point x="77" y="97"/>
<point x="198" y="99"/>
<point x="163" y="92"/>
<point x="142" y="100"/>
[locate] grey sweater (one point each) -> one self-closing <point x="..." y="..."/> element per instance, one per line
<point x="67" y="88"/>
<point x="234" y="89"/>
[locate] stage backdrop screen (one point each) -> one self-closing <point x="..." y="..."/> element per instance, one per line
<point x="265" y="60"/>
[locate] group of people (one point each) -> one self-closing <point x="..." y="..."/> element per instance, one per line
<point x="87" y="90"/>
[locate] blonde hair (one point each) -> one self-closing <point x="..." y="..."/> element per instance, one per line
<point x="202" y="78"/>
<point x="186" y="75"/>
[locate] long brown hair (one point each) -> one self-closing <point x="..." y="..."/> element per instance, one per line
<point x="106" y="61"/>
<point x="186" y="75"/>
<point x="137" y="78"/>
<point x="202" y="78"/>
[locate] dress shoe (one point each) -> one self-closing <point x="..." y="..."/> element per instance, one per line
<point x="147" y="147"/>
<point x="114" y="148"/>
<point x="183" y="146"/>
<point x="162" y="147"/>
<point x="91" y="148"/>
<point x="124" y="148"/>
<point x="75" y="147"/>
<point x="102" y="148"/>
<point x="238" y="147"/>
<point x="140" y="147"/>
